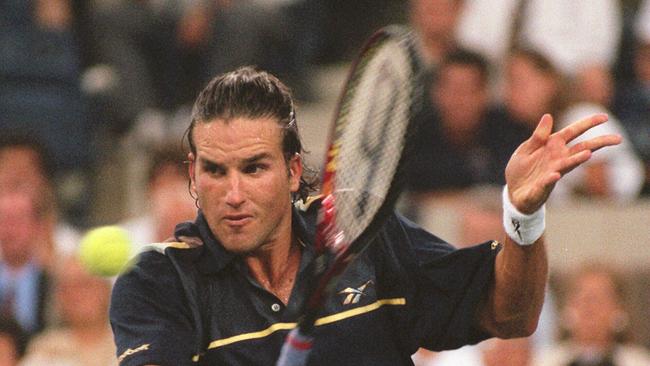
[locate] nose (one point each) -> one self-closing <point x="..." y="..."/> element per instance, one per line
<point x="234" y="195"/>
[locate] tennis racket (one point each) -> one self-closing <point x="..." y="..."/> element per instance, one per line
<point x="361" y="177"/>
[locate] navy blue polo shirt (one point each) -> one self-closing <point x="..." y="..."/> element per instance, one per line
<point x="194" y="303"/>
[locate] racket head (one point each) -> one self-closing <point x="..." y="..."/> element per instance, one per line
<point x="363" y="168"/>
<point x="368" y="149"/>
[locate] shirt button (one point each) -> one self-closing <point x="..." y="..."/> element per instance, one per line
<point x="275" y="307"/>
<point x="494" y="245"/>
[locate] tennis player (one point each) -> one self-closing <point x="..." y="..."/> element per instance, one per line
<point x="222" y="290"/>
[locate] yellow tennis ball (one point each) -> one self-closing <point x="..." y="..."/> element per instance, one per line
<point x="105" y="250"/>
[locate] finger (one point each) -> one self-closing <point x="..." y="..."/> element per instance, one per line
<point x="576" y="129"/>
<point x="596" y="143"/>
<point x="574" y="161"/>
<point x="551" y="179"/>
<point x="540" y="135"/>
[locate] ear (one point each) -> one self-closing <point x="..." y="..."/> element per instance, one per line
<point x="191" y="169"/>
<point x="295" y="172"/>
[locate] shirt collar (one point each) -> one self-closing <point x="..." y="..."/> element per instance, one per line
<point x="215" y="257"/>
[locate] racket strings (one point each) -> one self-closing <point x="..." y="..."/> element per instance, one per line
<point x="373" y="125"/>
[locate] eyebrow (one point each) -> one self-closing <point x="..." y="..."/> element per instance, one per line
<point x="257" y="157"/>
<point x="207" y="162"/>
<point x="253" y="159"/>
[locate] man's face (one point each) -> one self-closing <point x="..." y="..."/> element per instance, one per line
<point x="243" y="182"/>
<point x="461" y="96"/>
<point x="435" y="19"/>
<point x="529" y="91"/>
<point x="592" y="308"/>
<point x="20" y="227"/>
<point x="20" y="167"/>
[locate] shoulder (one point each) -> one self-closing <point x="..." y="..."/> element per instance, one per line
<point x="401" y="246"/>
<point x="401" y="232"/>
<point x="161" y="260"/>
<point x="150" y="308"/>
<point x="427" y="253"/>
<point x="154" y="272"/>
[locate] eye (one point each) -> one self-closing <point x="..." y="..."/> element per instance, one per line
<point x="214" y="169"/>
<point x="254" y="168"/>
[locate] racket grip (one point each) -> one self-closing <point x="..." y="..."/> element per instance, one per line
<point x="296" y="349"/>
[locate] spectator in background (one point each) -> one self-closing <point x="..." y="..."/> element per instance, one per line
<point x="168" y="198"/>
<point x="24" y="163"/>
<point x="12" y="342"/>
<point x="280" y="36"/>
<point x="616" y="175"/>
<point x="460" y="144"/>
<point x="24" y="283"/>
<point x="435" y="22"/>
<point x="145" y="49"/>
<point x="25" y="166"/>
<point x="595" y="84"/>
<point x="157" y="53"/>
<point x="40" y="92"/>
<point x="533" y="85"/>
<point x="632" y="100"/>
<point x="458" y="148"/>
<point x="574" y="34"/>
<point x="596" y="323"/>
<point x="493" y="352"/>
<point x="85" y="337"/>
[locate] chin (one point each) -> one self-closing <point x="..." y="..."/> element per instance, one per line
<point x="240" y="246"/>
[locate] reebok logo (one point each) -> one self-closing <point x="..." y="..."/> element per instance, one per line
<point x="353" y="295"/>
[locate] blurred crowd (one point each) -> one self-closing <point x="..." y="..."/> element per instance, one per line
<point x="496" y="67"/>
<point x="83" y="79"/>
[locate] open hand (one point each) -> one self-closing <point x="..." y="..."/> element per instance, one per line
<point x="539" y="162"/>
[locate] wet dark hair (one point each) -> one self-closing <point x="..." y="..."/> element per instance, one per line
<point x="251" y="93"/>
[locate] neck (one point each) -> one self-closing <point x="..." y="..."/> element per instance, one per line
<point x="276" y="268"/>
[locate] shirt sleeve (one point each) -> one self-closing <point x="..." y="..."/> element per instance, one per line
<point x="149" y="315"/>
<point x="446" y="285"/>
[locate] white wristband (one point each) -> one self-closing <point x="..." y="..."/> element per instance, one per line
<point x="523" y="229"/>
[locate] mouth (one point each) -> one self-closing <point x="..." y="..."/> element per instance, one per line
<point x="237" y="220"/>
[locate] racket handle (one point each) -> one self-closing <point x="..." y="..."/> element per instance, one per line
<point x="295" y="350"/>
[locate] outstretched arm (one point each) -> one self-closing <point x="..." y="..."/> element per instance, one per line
<point x="515" y="300"/>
